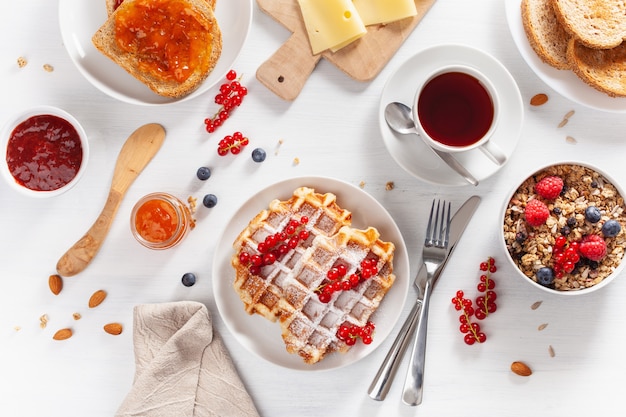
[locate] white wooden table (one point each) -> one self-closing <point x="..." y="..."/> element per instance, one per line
<point x="90" y="374"/>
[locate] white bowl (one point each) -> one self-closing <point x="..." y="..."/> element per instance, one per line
<point x="608" y="267"/>
<point x="24" y="115"/>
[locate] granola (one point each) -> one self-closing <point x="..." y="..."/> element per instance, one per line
<point x="532" y="248"/>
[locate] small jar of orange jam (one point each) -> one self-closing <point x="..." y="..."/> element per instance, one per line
<point x="160" y="221"/>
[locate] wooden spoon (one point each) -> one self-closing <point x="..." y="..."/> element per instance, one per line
<point x="136" y="153"/>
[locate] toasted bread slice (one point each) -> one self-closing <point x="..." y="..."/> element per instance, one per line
<point x="139" y="64"/>
<point x="603" y="69"/>
<point x="597" y="24"/>
<point x="544" y="32"/>
<point x="111" y="5"/>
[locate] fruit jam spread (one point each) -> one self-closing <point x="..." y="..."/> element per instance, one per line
<point x="44" y="153"/>
<point x="171" y="40"/>
<point x="160" y="221"/>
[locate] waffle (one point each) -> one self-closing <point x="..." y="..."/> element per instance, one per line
<point x="287" y="290"/>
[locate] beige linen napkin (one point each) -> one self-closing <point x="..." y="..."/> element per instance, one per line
<point x="182" y="366"/>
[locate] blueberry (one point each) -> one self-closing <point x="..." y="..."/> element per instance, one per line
<point x="209" y="200"/>
<point x="203" y="173"/>
<point x="571" y="221"/>
<point x="545" y="276"/>
<point x="592" y="214"/>
<point x="611" y="228"/>
<point x="258" y="155"/>
<point x="189" y="278"/>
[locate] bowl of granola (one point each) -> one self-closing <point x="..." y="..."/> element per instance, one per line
<point x="564" y="228"/>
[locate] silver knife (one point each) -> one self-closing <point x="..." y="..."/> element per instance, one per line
<point x="382" y="381"/>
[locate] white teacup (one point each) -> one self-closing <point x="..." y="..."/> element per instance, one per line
<point x="456" y="109"/>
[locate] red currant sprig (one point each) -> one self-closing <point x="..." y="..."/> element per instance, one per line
<point x="275" y="246"/>
<point x="233" y="144"/>
<point x="470" y="329"/>
<point x="485" y="304"/>
<point x="230" y="97"/>
<point x="349" y="333"/>
<point x="337" y="280"/>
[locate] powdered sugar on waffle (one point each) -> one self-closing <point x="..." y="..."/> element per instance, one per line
<point x="287" y="288"/>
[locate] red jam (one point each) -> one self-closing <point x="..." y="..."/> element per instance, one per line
<point x="171" y="40"/>
<point x="117" y="4"/>
<point x="44" y="153"/>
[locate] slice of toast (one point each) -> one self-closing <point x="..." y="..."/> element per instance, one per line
<point x="599" y="24"/>
<point x="111" y="5"/>
<point x="544" y="32"/>
<point x="603" y="69"/>
<point x="139" y="64"/>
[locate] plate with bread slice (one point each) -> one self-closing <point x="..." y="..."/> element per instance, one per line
<point x="574" y="48"/>
<point x="154" y="52"/>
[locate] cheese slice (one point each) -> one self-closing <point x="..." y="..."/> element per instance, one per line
<point x="331" y="24"/>
<point x="373" y="12"/>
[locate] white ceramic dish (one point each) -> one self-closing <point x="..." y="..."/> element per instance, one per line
<point x="410" y="152"/>
<point x="523" y="277"/>
<point x="20" y="117"/>
<point x="79" y="20"/>
<point x="563" y="82"/>
<point x="262" y="337"/>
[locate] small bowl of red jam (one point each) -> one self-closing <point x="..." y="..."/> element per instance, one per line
<point x="45" y="151"/>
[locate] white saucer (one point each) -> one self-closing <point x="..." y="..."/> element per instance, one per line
<point x="563" y="82"/>
<point x="262" y="337"/>
<point x="417" y="158"/>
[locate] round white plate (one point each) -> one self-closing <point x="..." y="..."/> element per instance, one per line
<point x="263" y="337"/>
<point x="563" y="82"/>
<point x="411" y="153"/>
<point x="80" y="19"/>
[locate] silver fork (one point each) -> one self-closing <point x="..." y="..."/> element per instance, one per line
<point x="433" y="256"/>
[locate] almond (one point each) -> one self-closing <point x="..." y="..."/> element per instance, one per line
<point x="539" y="99"/>
<point x="97" y="298"/>
<point x="62" y="334"/>
<point x="521" y="369"/>
<point x="113" y="328"/>
<point x="55" y="282"/>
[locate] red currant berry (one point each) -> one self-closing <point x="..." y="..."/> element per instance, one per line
<point x="231" y="75"/>
<point x="244" y="258"/>
<point x="256" y="260"/>
<point x="324" y="297"/>
<point x="354" y="280"/>
<point x="367" y="339"/>
<point x="469" y="339"/>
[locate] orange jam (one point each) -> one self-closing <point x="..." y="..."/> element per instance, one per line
<point x="170" y="39"/>
<point x="160" y="221"/>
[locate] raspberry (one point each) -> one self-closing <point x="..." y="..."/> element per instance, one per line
<point x="536" y="212"/>
<point x="592" y="247"/>
<point x="549" y="187"/>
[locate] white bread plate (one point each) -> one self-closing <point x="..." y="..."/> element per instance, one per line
<point x="80" y="19"/>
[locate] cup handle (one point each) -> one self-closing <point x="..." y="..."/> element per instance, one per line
<point x="493" y="152"/>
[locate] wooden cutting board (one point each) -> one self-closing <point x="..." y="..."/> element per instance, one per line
<point x="287" y="70"/>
